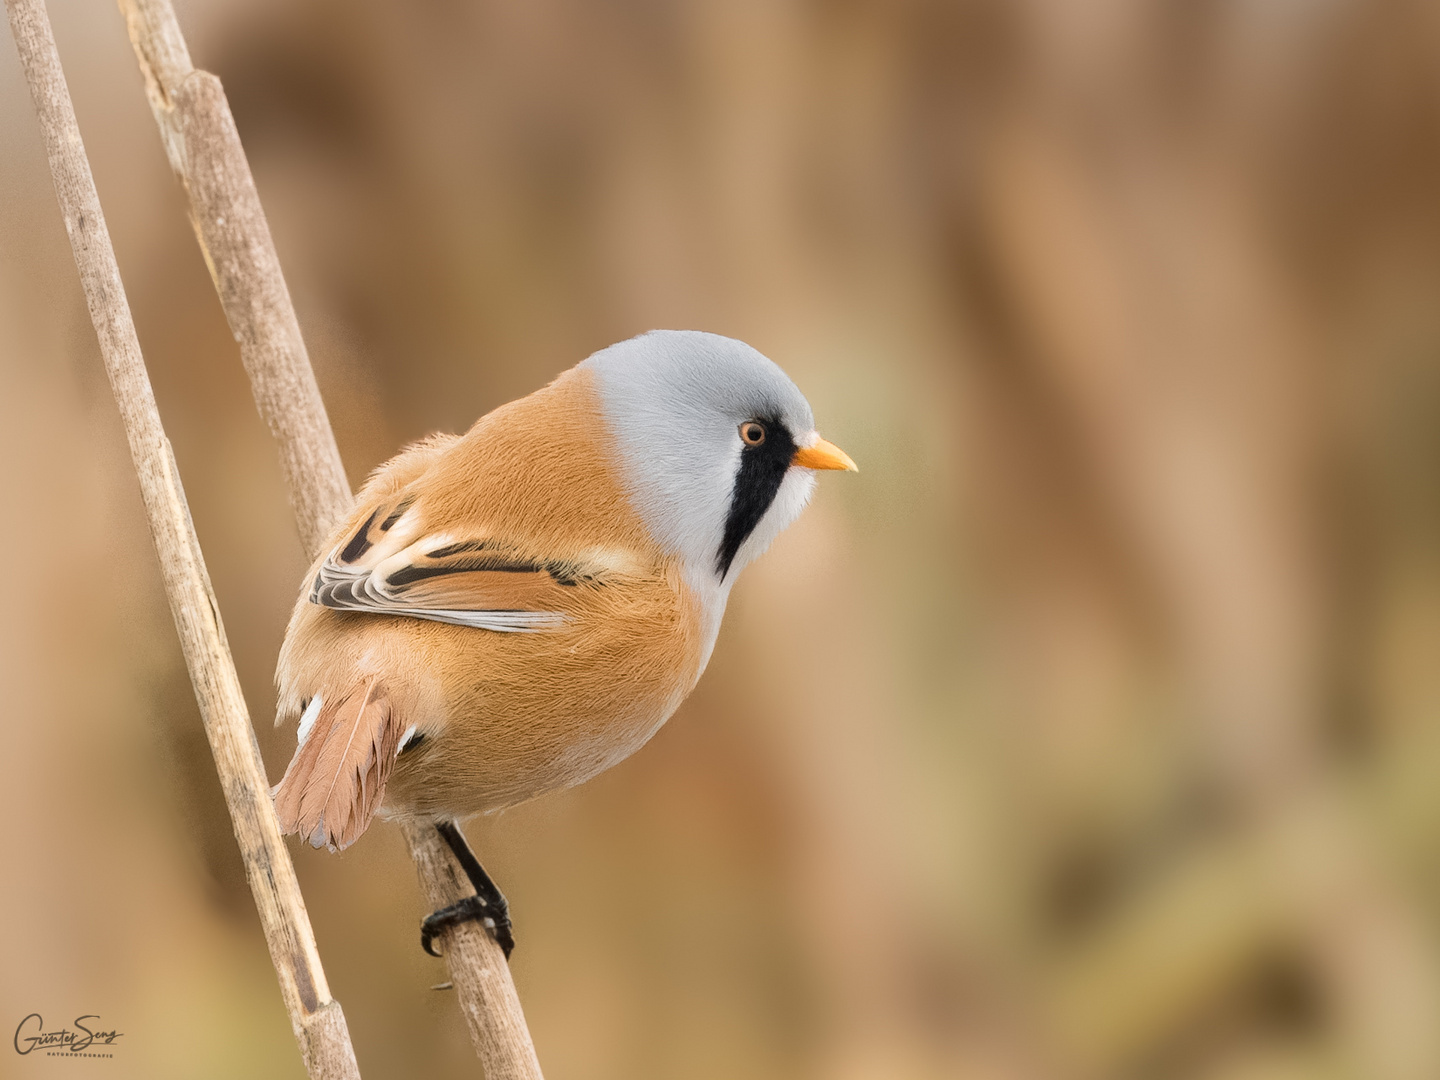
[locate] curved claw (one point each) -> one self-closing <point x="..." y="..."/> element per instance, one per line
<point x="471" y="908"/>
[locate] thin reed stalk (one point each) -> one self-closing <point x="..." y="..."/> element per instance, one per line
<point x="316" y="1017"/>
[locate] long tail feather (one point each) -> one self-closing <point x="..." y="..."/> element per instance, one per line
<point x="337" y="777"/>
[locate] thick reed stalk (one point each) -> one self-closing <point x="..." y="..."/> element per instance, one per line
<point x="204" y="148"/>
<point x="316" y="1017"/>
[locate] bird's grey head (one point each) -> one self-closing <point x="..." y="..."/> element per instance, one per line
<point x="709" y="432"/>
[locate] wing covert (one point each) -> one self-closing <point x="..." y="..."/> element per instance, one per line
<point x="484" y="582"/>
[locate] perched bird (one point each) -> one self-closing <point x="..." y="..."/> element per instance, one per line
<point x="518" y="608"/>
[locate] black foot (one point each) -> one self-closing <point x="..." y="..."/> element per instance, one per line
<point x="487" y="906"/>
<point x="472" y="907"/>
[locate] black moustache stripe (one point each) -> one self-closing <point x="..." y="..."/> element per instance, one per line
<point x="757" y="482"/>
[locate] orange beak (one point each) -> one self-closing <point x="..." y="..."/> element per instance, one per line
<point x="823" y="455"/>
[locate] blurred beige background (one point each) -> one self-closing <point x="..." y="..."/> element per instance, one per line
<point x="1092" y="731"/>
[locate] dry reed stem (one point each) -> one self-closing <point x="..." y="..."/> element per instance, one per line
<point x="204" y="149"/>
<point x="317" y="1018"/>
<point x="478" y="967"/>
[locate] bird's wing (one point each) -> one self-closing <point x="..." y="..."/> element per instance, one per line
<point x="390" y="565"/>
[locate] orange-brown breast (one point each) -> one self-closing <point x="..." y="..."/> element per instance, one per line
<point x="511" y="715"/>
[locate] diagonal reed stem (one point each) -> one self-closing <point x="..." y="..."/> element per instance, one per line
<point x="316" y="1017"/>
<point x="204" y="149"/>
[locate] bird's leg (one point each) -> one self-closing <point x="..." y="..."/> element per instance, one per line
<point x="487" y="906"/>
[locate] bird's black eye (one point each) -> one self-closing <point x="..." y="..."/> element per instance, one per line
<point x="752" y="433"/>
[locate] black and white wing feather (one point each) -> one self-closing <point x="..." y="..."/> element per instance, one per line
<point x="484" y="582"/>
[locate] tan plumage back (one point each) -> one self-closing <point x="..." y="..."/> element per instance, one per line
<point x="502" y="716"/>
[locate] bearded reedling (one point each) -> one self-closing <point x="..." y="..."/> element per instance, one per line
<point x="516" y="609"/>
